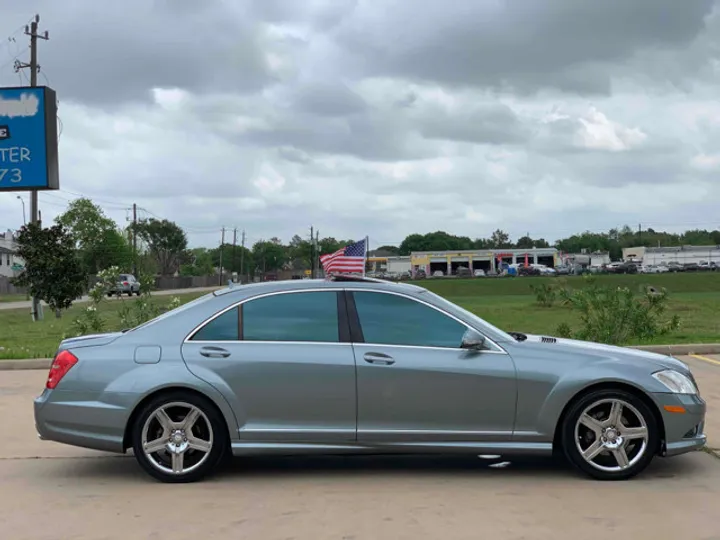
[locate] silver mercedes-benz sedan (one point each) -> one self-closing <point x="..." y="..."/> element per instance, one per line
<point x="356" y="365"/>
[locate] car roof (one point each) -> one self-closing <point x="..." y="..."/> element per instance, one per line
<point x="332" y="282"/>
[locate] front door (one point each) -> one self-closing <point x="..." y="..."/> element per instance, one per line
<point x="415" y="383"/>
<point x="282" y="365"/>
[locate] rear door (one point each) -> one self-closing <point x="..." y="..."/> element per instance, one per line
<point x="286" y="364"/>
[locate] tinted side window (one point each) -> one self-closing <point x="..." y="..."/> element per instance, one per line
<point x="395" y="320"/>
<point x="222" y="328"/>
<point x="307" y="316"/>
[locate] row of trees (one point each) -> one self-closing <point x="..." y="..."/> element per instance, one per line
<point x="159" y="246"/>
<point x="612" y="241"/>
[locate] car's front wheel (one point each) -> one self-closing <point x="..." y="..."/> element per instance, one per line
<point x="610" y="435"/>
<point x="179" y="437"/>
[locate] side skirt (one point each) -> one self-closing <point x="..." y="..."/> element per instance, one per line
<point x="297" y="448"/>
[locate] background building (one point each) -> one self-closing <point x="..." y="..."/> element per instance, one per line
<point x="484" y="259"/>
<point x="391" y="263"/>
<point x="596" y="258"/>
<point x="678" y="254"/>
<point x="10" y="263"/>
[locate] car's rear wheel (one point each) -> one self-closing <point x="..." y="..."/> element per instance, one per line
<point x="610" y="435"/>
<point x="179" y="437"/>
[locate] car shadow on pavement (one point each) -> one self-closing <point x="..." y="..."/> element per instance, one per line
<point x="125" y="469"/>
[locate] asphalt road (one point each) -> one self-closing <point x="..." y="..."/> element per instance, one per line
<point x="51" y="491"/>
<point x="26" y="304"/>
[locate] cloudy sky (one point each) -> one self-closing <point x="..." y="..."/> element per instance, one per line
<point x="382" y="117"/>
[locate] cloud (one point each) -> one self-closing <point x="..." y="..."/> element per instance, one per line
<point x="383" y="120"/>
<point x="600" y="133"/>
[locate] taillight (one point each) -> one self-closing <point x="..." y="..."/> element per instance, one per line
<point x="125" y="283"/>
<point x="60" y="366"/>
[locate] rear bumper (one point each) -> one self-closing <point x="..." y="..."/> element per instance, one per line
<point x="66" y="418"/>
<point x="684" y="431"/>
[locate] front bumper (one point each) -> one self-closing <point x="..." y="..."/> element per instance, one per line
<point x="684" y="431"/>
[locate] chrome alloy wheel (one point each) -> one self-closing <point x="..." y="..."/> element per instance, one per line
<point x="177" y="438"/>
<point x="611" y="435"/>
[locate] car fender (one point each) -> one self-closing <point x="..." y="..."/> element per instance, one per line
<point x="573" y="383"/>
<point x="212" y="379"/>
<point x="148" y="379"/>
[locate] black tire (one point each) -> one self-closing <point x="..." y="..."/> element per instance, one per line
<point x="220" y="446"/>
<point x="573" y="453"/>
<point x="129" y="293"/>
<point x="137" y="293"/>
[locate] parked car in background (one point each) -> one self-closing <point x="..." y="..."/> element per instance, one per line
<point x="463" y="272"/>
<point x="438" y="273"/>
<point x="479" y="272"/>
<point x="691" y="267"/>
<point x="347" y="365"/>
<point x="126" y="284"/>
<point x="675" y="267"/>
<point x="528" y="271"/>
<point x="704" y="265"/>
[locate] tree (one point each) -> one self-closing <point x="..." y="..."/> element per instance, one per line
<point x="269" y="256"/>
<point x="500" y="239"/>
<point x="232" y="263"/>
<point x="166" y="243"/>
<point x="200" y="263"/>
<point x="96" y="236"/>
<point x="435" y="241"/>
<point x="525" y="242"/>
<point x="53" y="272"/>
<point x="392" y="250"/>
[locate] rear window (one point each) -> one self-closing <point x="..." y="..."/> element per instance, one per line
<point x="123" y="277"/>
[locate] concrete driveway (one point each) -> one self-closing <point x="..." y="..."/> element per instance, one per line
<point x="168" y="292"/>
<point x="50" y="491"/>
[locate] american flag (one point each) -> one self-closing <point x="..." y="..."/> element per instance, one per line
<point x="349" y="259"/>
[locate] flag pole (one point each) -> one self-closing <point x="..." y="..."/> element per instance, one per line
<point x="367" y="244"/>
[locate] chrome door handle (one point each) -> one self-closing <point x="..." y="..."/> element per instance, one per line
<point x="214" y="352"/>
<point x="379" y="359"/>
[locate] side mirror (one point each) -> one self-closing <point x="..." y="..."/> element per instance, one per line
<point x="472" y="341"/>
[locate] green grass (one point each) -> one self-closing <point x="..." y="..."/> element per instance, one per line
<point x="505" y="302"/>
<point x="12" y="298"/>
<point x="20" y="337"/>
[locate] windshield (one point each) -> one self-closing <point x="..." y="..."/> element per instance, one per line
<point x="175" y="311"/>
<point x="482" y="323"/>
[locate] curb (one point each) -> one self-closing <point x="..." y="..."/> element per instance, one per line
<point x="35" y="363"/>
<point x="681" y="350"/>
<point x="672" y="350"/>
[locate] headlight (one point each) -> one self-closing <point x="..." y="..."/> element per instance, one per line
<point x="676" y="382"/>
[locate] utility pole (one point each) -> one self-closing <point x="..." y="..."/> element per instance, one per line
<point x="134" y="240"/>
<point x="640" y="232"/>
<point x="312" y="252"/>
<point x="32" y="31"/>
<point x="222" y="243"/>
<point x="242" y="257"/>
<point x="316" y="259"/>
<point x="232" y="265"/>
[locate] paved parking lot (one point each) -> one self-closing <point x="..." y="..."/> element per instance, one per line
<point x="50" y="491"/>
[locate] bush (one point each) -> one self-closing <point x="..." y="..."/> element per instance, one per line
<point x="545" y="295"/>
<point x="617" y="316"/>
<point x="91" y="321"/>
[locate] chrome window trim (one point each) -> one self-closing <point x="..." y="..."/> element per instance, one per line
<point x="188" y="339"/>
<point x="498" y="348"/>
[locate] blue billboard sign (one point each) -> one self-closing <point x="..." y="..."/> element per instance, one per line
<point x="28" y="139"/>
